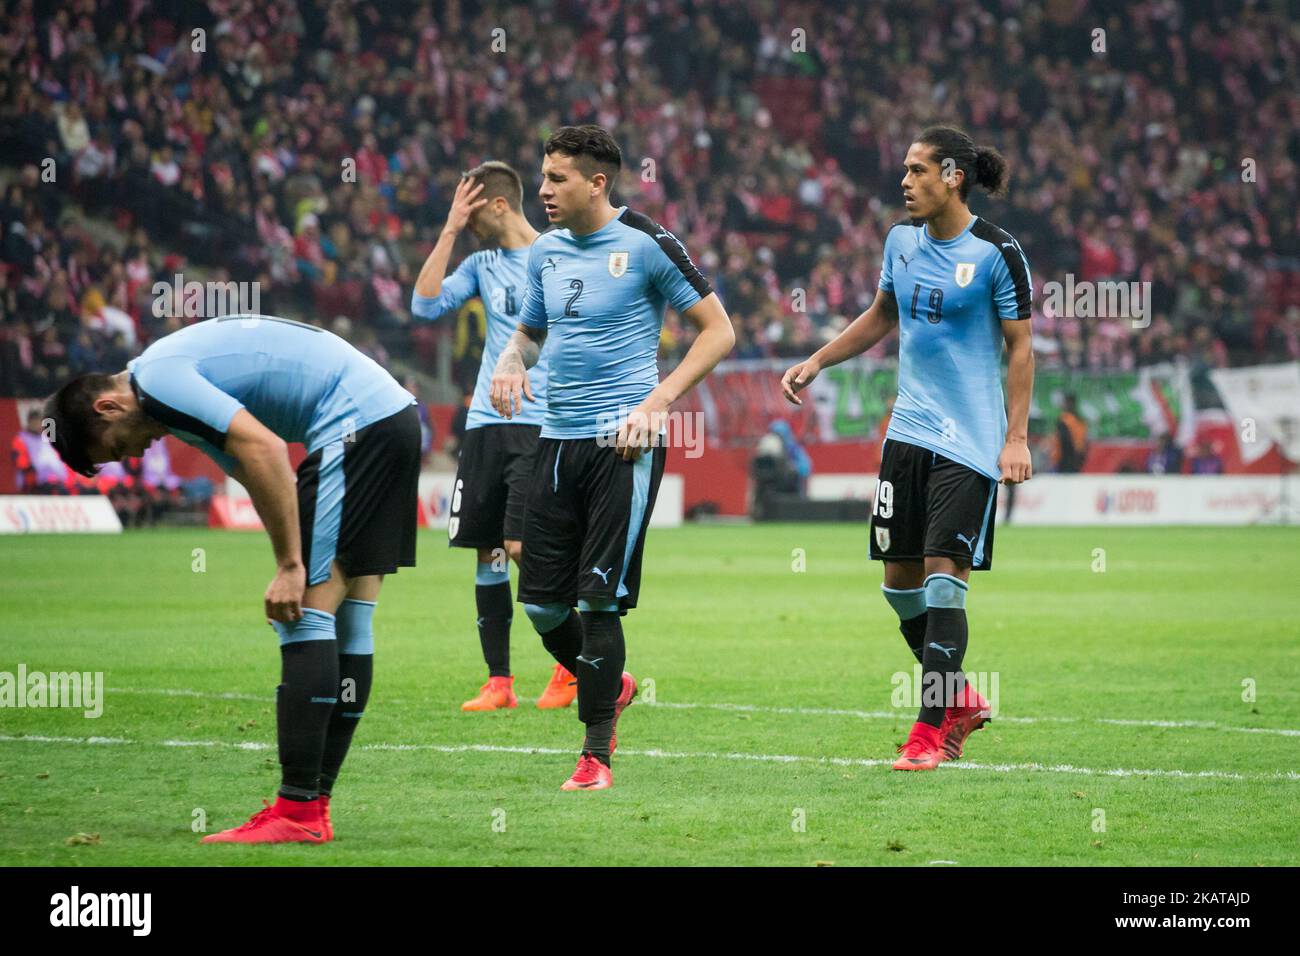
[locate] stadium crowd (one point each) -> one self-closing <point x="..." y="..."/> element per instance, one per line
<point x="312" y="146"/>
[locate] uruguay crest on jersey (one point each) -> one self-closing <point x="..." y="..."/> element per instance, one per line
<point x="617" y="264"/>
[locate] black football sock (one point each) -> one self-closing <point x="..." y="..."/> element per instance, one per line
<point x="495" y="611"/>
<point x="356" y="641"/>
<point x="304" y="701"/>
<point x="942" y="677"/>
<point x="600" y="678"/>
<point x="564" y="642"/>
<point x="909" y="604"/>
<point x="356" y="674"/>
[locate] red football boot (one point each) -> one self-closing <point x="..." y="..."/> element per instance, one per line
<point x="970" y="713"/>
<point x="287" y="821"/>
<point x="625" y="697"/>
<point x="560" y="691"/>
<point x="923" y="749"/>
<point x="590" y="774"/>
<point x="497" y="693"/>
<point x="325" y="815"/>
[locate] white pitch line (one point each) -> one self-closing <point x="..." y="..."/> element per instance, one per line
<point x="1287" y="776"/>
<point x="802" y="711"/>
<point x="40" y="739"/>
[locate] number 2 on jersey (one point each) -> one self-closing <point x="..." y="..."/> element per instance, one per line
<point x="571" y="301"/>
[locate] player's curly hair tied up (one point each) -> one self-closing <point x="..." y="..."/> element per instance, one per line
<point x="982" y="165"/>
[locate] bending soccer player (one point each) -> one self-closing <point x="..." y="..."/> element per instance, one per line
<point x="496" y="456"/>
<point x="956" y="287"/>
<point x="239" y="388"/>
<point x="597" y="288"/>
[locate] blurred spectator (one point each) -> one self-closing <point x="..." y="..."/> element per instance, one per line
<point x="1166" y="458"/>
<point x="1071" y="438"/>
<point x="1206" y="461"/>
<point x="39" y="468"/>
<point x="795" y="455"/>
<point x="313" y="135"/>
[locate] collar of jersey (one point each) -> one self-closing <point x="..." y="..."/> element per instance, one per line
<point x="601" y="231"/>
<point x="925" y="228"/>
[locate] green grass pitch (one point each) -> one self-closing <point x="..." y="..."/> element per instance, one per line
<point x="1123" y="736"/>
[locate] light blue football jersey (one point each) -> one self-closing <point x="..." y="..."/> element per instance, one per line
<point x="499" y="277"/>
<point x="602" y="297"/>
<point x="952" y="295"/>
<point x="303" y="383"/>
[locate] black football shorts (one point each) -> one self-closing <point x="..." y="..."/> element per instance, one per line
<point x="585" y="524"/>
<point x="928" y="505"/>
<point x="491" y="489"/>
<point x="358" y="500"/>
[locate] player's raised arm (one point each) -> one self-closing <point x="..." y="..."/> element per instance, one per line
<point x="1015" y="462"/>
<point x="866" y="330"/>
<point x="262" y="466"/>
<point x="432" y="296"/>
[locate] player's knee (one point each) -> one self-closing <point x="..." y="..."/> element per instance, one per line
<point x="546" y="617"/>
<point x="355" y="627"/>
<point x="945" y="590"/>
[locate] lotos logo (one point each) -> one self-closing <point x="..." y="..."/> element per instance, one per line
<point x="1128" y="501"/>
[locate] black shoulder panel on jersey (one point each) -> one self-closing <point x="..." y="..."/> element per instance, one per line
<point x="172" y="418"/>
<point x="1013" y="256"/>
<point x="905" y="222"/>
<point x="671" y="246"/>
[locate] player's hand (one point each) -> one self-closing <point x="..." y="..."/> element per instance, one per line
<point x="797" y="378"/>
<point x="1015" y="463"/>
<point x="640" y="430"/>
<point x="509" y="383"/>
<point x="463" y="204"/>
<point x="284" y="594"/>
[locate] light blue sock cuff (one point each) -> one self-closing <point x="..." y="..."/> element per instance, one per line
<point x="907" y="603"/>
<point x="609" y="605"/>
<point x="314" y="625"/>
<point x="944" y="590"/>
<point x="484" y="574"/>
<point x="356" y="627"/>
<point x="546" y="617"/>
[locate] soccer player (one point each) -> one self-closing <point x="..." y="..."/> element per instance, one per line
<point x="496" y="455"/>
<point x="956" y="287"/>
<point x="597" y="288"/>
<point x="238" y="388"/>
